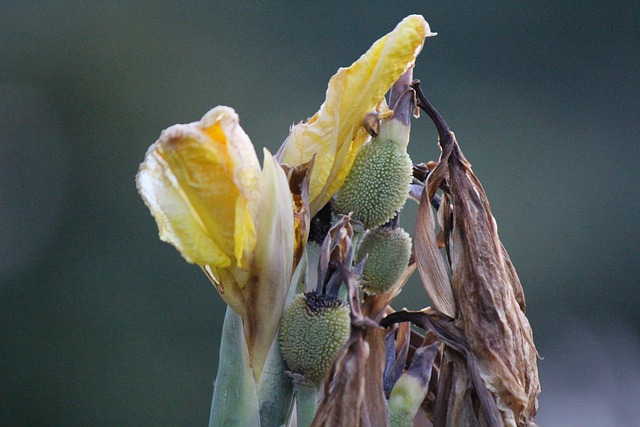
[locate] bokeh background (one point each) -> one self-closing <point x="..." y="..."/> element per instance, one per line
<point x="102" y="324"/>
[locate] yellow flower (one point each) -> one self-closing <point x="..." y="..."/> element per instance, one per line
<point x="203" y="184"/>
<point x="335" y="133"/>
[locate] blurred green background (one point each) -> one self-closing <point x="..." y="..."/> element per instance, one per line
<point x="102" y="324"/>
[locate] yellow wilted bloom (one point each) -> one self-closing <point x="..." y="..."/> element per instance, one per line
<point x="203" y="184"/>
<point x="335" y="133"/>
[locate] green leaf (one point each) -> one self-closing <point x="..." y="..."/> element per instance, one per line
<point x="235" y="399"/>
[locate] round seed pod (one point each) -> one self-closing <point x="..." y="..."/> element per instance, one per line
<point x="389" y="250"/>
<point x="377" y="185"/>
<point x="312" y="331"/>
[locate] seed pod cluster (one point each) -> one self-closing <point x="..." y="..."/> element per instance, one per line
<point x="313" y="329"/>
<point x="389" y="250"/>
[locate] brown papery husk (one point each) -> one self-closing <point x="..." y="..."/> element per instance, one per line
<point x="344" y="402"/>
<point x="454" y="399"/>
<point x="487" y="291"/>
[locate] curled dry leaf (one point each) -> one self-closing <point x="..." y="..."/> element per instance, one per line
<point x="467" y="370"/>
<point x="397" y="347"/>
<point x="336" y="255"/>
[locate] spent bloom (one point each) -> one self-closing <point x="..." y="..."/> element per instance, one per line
<point x="203" y="184"/>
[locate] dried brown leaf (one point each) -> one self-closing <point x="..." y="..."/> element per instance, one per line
<point x="375" y="398"/>
<point x="374" y="307"/>
<point x="488" y="294"/>
<point x="454" y="401"/>
<point x="490" y="298"/>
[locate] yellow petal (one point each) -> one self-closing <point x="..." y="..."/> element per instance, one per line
<point x="334" y="133"/>
<point x="245" y="172"/>
<point x="201" y="182"/>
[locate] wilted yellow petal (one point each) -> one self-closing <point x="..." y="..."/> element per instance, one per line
<point x="352" y="92"/>
<point x="201" y="183"/>
<point x="177" y="221"/>
<point x="244" y="234"/>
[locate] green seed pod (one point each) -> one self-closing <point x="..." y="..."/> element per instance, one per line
<point x="312" y="331"/>
<point x="378" y="184"/>
<point x="389" y="251"/>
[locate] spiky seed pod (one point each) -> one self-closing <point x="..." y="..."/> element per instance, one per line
<point x="312" y="331"/>
<point x="389" y="251"/>
<point x="378" y="184"/>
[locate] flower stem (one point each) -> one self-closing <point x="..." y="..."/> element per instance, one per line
<point x="306" y="400"/>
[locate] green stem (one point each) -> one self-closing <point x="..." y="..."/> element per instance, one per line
<point x="306" y="399"/>
<point x="313" y="257"/>
<point x="275" y="387"/>
<point x="275" y="390"/>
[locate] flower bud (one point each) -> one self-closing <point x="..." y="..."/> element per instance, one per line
<point x="312" y="331"/>
<point x="389" y="250"/>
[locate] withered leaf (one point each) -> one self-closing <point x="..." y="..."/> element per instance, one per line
<point x="488" y="294"/>
<point x="397" y="349"/>
<point x="336" y="256"/>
